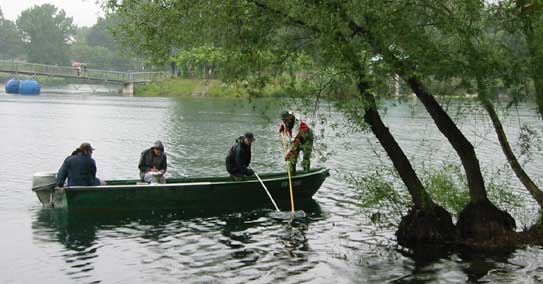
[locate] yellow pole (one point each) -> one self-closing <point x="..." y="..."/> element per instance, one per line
<point x="288" y="171"/>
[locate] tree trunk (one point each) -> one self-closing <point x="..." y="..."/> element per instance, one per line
<point x="538" y="87"/>
<point x="536" y="68"/>
<point x="480" y="223"/>
<point x="426" y="222"/>
<point x="459" y="142"/>
<point x="527" y="9"/>
<point x="506" y="148"/>
<point x="421" y="198"/>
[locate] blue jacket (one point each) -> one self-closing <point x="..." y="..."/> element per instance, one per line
<point x="79" y="169"/>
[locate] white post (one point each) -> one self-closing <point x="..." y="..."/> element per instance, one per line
<point x="397" y="85"/>
<point x="128" y="89"/>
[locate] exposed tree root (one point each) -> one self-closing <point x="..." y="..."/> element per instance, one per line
<point x="426" y="227"/>
<point x="533" y="235"/>
<point x="484" y="226"/>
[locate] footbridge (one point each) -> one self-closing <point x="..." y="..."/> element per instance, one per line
<point x="127" y="79"/>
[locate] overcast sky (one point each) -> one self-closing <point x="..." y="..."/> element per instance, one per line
<point x="84" y="12"/>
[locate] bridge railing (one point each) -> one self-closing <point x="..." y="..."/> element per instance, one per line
<point x="84" y="73"/>
<point x="147" y="76"/>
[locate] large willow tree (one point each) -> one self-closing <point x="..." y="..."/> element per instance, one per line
<point x="404" y="33"/>
<point x="481" y="56"/>
<point x="465" y="41"/>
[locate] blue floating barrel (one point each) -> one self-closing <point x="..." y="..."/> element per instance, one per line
<point x="12" y="86"/>
<point x="29" y="87"/>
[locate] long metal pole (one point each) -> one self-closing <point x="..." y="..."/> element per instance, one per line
<point x="289" y="176"/>
<point x="266" y="189"/>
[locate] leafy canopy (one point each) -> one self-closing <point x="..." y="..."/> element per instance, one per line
<point x="46" y="33"/>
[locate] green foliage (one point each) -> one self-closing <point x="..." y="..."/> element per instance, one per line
<point x="46" y="32"/>
<point x="379" y="194"/>
<point x="188" y="87"/>
<point x="500" y="190"/>
<point x="93" y="57"/>
<point x="101" y="33"/>
<point x="96" y="47"/>
<point x="178" y="87"/>
<point x="529" y="142"/>
<point x="98" y="57"/>
<point x="10" y="42"/>
<point x="448" y="187"/>
<point x="201" y="61"/>
<point x="439" y="41"/>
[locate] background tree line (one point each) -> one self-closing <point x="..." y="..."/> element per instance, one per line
<point x="45" y="34"/>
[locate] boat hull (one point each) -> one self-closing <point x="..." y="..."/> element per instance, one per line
<point x="188" y="193"/>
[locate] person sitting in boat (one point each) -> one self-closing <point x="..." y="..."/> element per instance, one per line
<point x="79" y="168"/>
<point x="153" y="164"/>
<point x="239" y="157"/>
<point x="300" y="138"/>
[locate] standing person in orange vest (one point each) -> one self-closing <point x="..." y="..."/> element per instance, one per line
<point x="300" y="138"/>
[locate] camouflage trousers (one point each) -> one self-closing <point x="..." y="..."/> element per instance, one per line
<point x="306" y="148"/>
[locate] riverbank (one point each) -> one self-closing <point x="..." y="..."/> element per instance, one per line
<point x="198" y="87"/>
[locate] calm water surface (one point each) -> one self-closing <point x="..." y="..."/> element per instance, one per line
<point x="336" y="243"/>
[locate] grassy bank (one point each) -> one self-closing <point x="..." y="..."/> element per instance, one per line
<point x="198" y="87"/>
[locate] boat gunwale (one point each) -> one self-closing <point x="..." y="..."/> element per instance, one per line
<point x="185" y="184"/>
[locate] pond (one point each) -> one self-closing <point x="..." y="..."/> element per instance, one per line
<point x="336" y="243"/>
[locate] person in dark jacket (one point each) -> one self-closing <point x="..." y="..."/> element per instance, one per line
<point x="153" y="164"/>
<point x="239" y="157"/>
<point x="79" y="168"/>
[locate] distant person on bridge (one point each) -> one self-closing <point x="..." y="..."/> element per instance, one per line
<point x="77" y="66"/>
<point x="79" y="168"/>
<point x="153" y="164"/>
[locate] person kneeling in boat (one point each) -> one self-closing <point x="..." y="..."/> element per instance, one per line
<point x="290" y="128"/>
<point x="153" y="164"/>
<point x="239" y="157"/>
<point x="79" y="168"/>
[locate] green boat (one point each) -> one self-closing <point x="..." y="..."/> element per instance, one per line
<point x="180" y="193"/>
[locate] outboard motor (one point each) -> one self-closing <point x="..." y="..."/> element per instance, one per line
<point x="43" y="184"/>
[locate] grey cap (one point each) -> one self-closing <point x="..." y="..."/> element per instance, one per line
<point x="158" y="145"/>
<point x="249" y="135"/>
